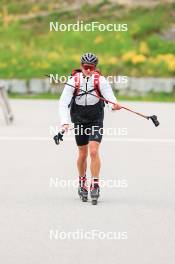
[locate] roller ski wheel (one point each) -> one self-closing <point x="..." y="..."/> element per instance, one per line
<point x="95" y="193"/>
<point x="94" y="202"/>
<point x="83" y="194"/>
<point x="84" y="199"/>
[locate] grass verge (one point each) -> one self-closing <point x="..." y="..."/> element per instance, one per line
<point x="149" y="97"/>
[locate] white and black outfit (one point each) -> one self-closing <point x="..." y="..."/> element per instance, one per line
<point x="85" y="109"/>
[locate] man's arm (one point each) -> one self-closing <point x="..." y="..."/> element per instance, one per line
<point x="107" y="92"/>
<point x="65" y="99"/>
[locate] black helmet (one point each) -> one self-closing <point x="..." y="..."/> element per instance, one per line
<point x="89" y="58"/>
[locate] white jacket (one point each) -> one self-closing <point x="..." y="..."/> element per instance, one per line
<point x="86" y="84"/>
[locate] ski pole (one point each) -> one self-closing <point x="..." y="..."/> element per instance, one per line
<point x="153" y="117"/>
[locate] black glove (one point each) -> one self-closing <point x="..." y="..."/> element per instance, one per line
<point x="58" y="138"/>
<point x="154" y="120"/>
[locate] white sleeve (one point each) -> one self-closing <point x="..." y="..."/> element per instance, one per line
<point x="106" y="90"/>
<point x="65" y="99"/>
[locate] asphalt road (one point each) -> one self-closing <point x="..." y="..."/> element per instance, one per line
<point x="42" y="219"/>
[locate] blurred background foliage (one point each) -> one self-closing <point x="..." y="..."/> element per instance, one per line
<point x="28" y="49"/>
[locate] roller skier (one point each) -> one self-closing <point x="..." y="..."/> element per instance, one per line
<point x="87" y="114"/>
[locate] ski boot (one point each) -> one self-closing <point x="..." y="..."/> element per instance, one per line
<point x="95" y="193"/>
<point x="82" y="189"/>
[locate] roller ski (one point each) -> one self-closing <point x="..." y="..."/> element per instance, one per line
<point x="95" y="192"/>
<point x="82" y="189"/>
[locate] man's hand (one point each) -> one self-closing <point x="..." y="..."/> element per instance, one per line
<point x="116" y="107"/>
<point x="65" y="127"/>
<point x="59" y="137"/>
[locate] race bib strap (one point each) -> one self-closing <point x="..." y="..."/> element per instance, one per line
<point x="97" y="83"/>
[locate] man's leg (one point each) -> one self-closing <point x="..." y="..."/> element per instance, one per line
<point x="82" y="160"/>
<point x="95" y="158"/>
<point x="95" y="170"/>
<point x="82" y="166"/>
<point x="94" y="144"/>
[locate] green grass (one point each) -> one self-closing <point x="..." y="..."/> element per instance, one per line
<point x="149" y="97"/>
<point x="43" y="96"/>
<point x="28" y="49"/>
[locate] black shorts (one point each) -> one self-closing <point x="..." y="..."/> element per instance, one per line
<point x="88" y="132"/>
